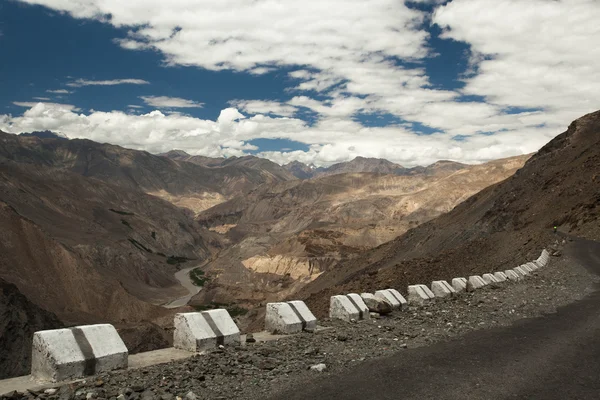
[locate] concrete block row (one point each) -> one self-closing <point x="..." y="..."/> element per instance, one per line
<point x="353" y="307"/>
<point x="200" y="331"/>
<point x="289" y="317"/>
<point x="64" y="354"/>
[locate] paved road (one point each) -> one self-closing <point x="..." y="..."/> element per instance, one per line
<point x="546" y="358"/>
<point x="183" y="277"/>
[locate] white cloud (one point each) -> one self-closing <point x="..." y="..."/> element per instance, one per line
<point x="343" y="54"/>
<point x="112" y="82"/>
<point x="331" y="140"/>
<point x="170" y="102"/>
<point x="42" y="98"/>
<point x="46" y="105"/>
<point x="134" y="106"/>
<point x="264" y="107"/>
<point x="59" y="91"/>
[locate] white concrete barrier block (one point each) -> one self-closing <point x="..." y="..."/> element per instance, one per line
<point x="390" y="298"/>
<point x="500" y="276"/>
<point x="193" y="333"/>
<point x="309" y="321"/>
<point x="281" y="318"/>
<point x="459" y="284"/>
<point x="512" y="275"/>
<point x="222" y="324"/>
<point x="340" y="307"/>
<point x="533" y="266"/>
<point x="521" y="271"/>
<point x="526" y="268"/>
<point x="359" y="304"/>
<point x="63" y="354"/>
<point x="428" y="292"/>
<point x="399" y="297"/>
<point x="489" y="279"/>
<point x="476" y="282"/>
<point x="442" y="289"/>
<point x="417" y="295"/>
<point x="196" y="332"/>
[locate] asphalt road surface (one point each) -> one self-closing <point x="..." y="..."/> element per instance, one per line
<point x="552" y="357"/>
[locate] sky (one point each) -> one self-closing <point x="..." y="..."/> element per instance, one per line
<point x="315" y="81"/>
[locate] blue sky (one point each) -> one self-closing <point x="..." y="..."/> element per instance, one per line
<point x="319" y="81"/>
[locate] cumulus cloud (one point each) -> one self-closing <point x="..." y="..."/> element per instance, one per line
<point x="331" y="139"/>
<point x="170" y="102"/>
<point x="112" y="82"/>
<point x="531" y="61"/>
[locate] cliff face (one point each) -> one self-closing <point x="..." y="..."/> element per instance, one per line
<point x="19" y="319"/>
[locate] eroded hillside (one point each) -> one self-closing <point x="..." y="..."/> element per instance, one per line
<point x="286" y="235"/>
<point x="494" y="228"/>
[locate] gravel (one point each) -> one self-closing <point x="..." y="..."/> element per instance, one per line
<point x="256" y="370"/>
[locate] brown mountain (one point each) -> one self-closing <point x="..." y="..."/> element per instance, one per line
<point x="373" y="165"/>
<point x="19" y="319"/>
<point x="292" y="232"/>
<point x="186" y="184"/>
<point x="496" y="228"/>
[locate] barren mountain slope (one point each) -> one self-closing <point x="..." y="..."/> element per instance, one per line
<point x="373" y="165"/>
<point x="183" y="183"/>
<point x="19" y="319"/>
<point x="497" y="228"/>
<point x="90" y="251"/>
<point x="288" y="234"/>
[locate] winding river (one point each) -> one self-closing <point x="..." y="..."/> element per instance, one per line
<point x="183" y="277"/>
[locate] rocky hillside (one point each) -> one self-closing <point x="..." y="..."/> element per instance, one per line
<point x="495" y="227"/>
<point x="373" y="165"/>
<point x="19" y="319"/>
<point x="291" y="233"/>
<point x="64" y="233"/>
<point x="187" y="184"/>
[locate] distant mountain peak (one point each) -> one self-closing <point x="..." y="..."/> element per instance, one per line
<point x="45" y="135"/>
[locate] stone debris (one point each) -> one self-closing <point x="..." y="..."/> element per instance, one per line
<point x="319" y="367"/>
<point x="500" y="276"/>
<point x="63" y="354"/>
<point x="340" y="307"/>
<point x="376" y="304"/>
<point x="475" y="282"/>
<point x="489" y="279"/>
<point x="418" y="295"/>
<point x="442" y="289"/>
<point x="196" y="332"/>
<point x="459" y="284"/>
